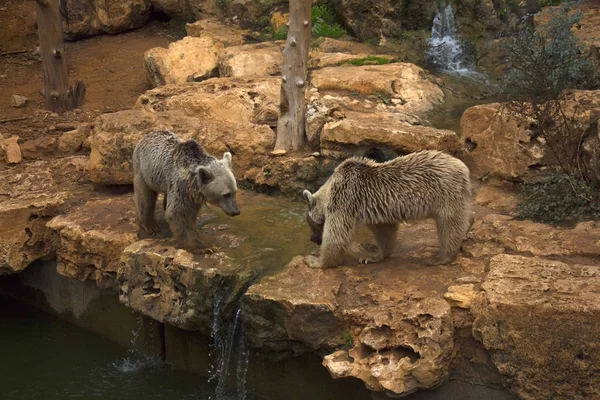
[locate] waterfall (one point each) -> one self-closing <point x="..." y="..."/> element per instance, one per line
<point x="445" y="52"/>
<point x="230" y="352"/>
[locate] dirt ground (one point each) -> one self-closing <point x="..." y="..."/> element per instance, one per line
<point x="111" y="67"/>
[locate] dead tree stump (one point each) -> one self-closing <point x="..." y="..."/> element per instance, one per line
<point x="58" y="95"/>
<point x="292" y="108"/>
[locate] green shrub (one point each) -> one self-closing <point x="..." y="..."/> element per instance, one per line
<point x="546" y="3"/>
<point x="325" y="22"/>
<point x="560" y="198"/>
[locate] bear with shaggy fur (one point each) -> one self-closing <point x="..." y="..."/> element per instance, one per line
<point x="187" y="175"/>
<point x="421" y="185"/>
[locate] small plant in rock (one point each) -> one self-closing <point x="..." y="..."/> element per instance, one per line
<point x="370" y="60"/>
<point x="348" y="341"/>
<point x="325" y="22"/>
<point x="281" y="33"/>
<point x="222" y="4"/>
<point x="384" y="97"/>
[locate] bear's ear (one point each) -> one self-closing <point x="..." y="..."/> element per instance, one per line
<point x="310" y="199"/>
<point x="206" y="176"/>
<point x="227" y="158"/>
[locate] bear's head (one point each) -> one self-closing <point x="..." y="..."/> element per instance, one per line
<point x="315" y="217"/>
<point x="218" y="185"/>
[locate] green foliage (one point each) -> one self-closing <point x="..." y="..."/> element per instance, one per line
<point x="222" y="4"/>
<point x="561" y="198"/>
<point x="546" y="3"/>
<point x="325" y="22"/>
<point x="281" y="33"/>
<point x="348" y="341"/>
<point x="374" y="41"/>
<point x="370" y="60"/>
<point x="545" y="60"/>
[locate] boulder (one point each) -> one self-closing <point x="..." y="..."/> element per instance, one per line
<point x="386" y="334"/>
<point x="92" y="237"/>
<point x="251" y="59"/>
<point x="71" y="141"/>
<point x="501" y="144"/>
<point x="539" y="320"/>
<point x="187" y="60"/>
<point x="405" y="82"/>
<point x="11" y="149"/>
<point x="39" y="147"/>
<point x="83" y="18"/>
<point x="358" y="133"/>
<point x="212" y="28"/>
<point x="116" y="135"/>
<point x="30" y="196"/>
<point x="188" y="10"/>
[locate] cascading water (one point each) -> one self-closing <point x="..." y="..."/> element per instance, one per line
<point x="230" y="352"/>
<point x="446" y="53"/>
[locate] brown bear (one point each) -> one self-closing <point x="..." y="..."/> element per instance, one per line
<point x="421" y="185"/>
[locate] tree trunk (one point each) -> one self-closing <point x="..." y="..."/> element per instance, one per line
<point x="290" y="127"/>
<point x="58" y="95"/>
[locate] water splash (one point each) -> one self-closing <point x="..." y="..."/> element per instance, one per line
<point x="446" y="53"/>
<point x="134" y="360"/>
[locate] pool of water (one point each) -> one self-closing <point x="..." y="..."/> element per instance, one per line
<point x="45" y="358"/>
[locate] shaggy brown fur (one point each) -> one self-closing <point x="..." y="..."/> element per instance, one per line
<point x="187" y="175"/>
<point x="426" y="184"/>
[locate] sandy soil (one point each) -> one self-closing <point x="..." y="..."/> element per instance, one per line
<point x="111" y="67"/>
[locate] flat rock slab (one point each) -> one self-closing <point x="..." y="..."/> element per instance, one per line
<point x="357" y="133"/>
<point x="495" y="234"/>
<point x="540" y="319"/>
<point x="92" y="237"/>
<point x="30" y="196"/>
<point x="390" y="319"/>
<point x="403" y="81"/>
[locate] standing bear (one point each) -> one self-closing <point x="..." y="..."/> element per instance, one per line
<point x="426" y="184"/>
<point x="187" y="175"/>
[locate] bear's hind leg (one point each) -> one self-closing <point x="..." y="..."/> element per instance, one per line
<point x="337" y="235"/>
<point x="452" y="231"/>
<point x="145" y="201"/>
<point x="385" y="235"/>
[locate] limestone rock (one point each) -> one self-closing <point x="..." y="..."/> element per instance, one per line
<point x="398" y="326"/>
<point x="31" y="195"/>
<point x="251" y="59"/>
<point x="330" y="45"/>
<point x="84" y="18"/>
<point x="189" y="59"/>
<point x="11" y="149"/>
<point x="502" y="144"/>
<point x="39" y="147"/>
<point x="497" y="198"/>
<point x="183" y="289"/>
<point x="527" y="237"/>
<point x="92" y="237"/>
<point x="71" y="141"/>
<point x="18" y="101"/>
<point x="358" y="133"/>
<point x="461" y="295"/>
<point x="116" y="135"/>
<point x="218" y="31"/>
<point x="188" y="10"/>
<point x="539" y="320"/>
<point x="402" y="81"/>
